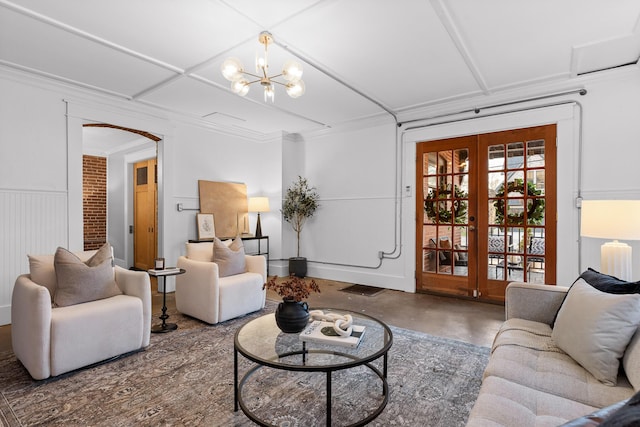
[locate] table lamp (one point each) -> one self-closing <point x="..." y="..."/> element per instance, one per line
<point x="258" y="204"/>
<point x="616" y="220"/>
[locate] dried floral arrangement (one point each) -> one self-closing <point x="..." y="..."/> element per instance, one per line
<point x="295" y="288"/>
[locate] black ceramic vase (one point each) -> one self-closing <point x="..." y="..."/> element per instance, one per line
<point x="292" y="316"/>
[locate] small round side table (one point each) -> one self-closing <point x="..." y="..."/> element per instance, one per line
<point x="164" y="326"/>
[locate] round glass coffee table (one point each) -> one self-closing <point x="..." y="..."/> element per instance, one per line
<point x="262" y="342"/>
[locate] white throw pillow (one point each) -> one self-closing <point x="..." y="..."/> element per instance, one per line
<point x="200" y="251"/>
<point x="595" y="327"/>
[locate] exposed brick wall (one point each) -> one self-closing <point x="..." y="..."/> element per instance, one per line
<point x="94" y="201"/>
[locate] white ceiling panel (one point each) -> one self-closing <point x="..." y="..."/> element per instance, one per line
<point x="397" y="52"/>
<point x="523" y="42"/>
<point x="204" y="101"/>
<point x="402" y="55"/>
<point x="189" y="96"/>
<point x="269" y="13"/>
<point x="36" y="45"/>
<point x="605" y="54"/>
<point x="166" y="30"/>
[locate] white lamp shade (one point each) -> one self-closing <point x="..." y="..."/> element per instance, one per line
<point x="258" y="204"/>
<point x="611" y="219"/>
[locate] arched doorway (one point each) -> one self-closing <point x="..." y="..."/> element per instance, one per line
<point x="109" y="195"/>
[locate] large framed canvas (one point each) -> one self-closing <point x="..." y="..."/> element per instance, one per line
<point x="225" y="200"/>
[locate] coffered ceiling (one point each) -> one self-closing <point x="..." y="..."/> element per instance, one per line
<point x="402" y="55"/>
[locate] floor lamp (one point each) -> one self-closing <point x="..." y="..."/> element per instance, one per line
<point x="616" y="220"/>
<point x="258" y="204"/>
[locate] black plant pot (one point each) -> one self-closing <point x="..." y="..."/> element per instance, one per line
<point x="292" y="316"/>
<point x="298" y="266"/>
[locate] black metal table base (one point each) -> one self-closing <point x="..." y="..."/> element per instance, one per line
<point x="239" y="383"/>
<point x="164" y="327"/>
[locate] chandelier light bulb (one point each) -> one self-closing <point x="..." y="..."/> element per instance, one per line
<point x="232" y="69"/>
<point x="292" y="71"/>
<point x="240" y="86"/>
<point x="269" y="93"/>
<point x="261" y="64"/>
<point x="295" y="90"/>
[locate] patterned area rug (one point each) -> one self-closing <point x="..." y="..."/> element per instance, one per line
<point x="185" y="378"/>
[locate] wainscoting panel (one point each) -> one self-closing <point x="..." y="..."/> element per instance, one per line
<point x="31" y="222"/>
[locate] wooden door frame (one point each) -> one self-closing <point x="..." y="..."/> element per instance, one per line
<point x="480" y="185"/>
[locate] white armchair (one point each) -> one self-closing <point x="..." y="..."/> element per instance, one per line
<point x="203" y="294"/>
<point x="50" y="340"/>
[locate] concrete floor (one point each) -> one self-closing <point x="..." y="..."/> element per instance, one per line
<point x="470" y="321"/>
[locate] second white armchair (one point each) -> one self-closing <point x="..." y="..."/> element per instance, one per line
<point x="206" y="295"/>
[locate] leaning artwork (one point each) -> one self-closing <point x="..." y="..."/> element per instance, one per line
<point x="206" y="226"/>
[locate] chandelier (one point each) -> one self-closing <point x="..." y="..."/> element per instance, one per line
<point x="233" y="71"/>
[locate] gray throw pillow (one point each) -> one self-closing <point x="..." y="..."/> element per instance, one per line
<point x="79" y="281"/>
<point x="230" y="259"/>
<point x="595" y="327"/>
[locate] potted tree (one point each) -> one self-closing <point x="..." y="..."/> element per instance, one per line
<point x="300" y="203"/>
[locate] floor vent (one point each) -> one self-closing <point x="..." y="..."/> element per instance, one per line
<point x="368" y="291"/>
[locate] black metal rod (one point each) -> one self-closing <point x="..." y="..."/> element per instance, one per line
<point x="235" y="380"/>
<point x="328" y="398"/>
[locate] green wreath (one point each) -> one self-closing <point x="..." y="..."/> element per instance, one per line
<point x="435" y="205"/>
<point x="535" y="212"/>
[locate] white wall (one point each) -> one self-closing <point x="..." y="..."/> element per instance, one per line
<point x="33" y="180"/>
<point x="202" y="155"/>
<point x="612" y="150"/>
<point x="354" y="173"/>
<point x="41" y="170"/>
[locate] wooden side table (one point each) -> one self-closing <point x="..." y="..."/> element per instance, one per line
<point x="164" y="326"/>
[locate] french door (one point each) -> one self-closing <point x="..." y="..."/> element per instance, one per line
<point x="485" y="212"/>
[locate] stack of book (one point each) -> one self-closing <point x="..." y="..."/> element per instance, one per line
<point x="322" y="332"/>
<point x="164" y="271"/>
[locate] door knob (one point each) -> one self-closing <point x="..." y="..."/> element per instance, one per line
<point x="472" y="228"/>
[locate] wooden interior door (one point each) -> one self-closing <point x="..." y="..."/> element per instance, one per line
<point x="145" y="241"/>
<point x="486" y="212"/>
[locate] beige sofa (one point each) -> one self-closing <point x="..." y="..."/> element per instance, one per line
<point x="51" y="340"/>
<point x="530" y="381"/>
